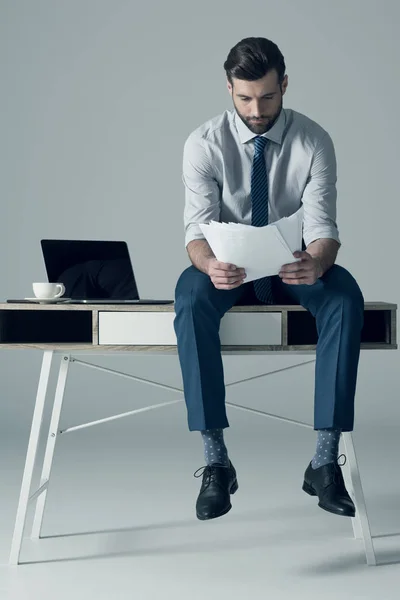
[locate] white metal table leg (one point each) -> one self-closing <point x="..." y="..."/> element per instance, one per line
<point x="50" y="446"/>
<point x="355" y="521"/>
<point x="30" y="458"/>
<point x="359" y="500"/>
<point x="360" y="522"/>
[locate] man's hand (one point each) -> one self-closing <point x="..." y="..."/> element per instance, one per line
<point x="224" y="275"/>
<point x="306" y="271"/>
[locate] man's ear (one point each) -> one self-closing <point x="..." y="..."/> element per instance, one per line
<point x="284" y="84"/>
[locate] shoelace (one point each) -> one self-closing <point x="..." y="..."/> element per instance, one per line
<point x="210" y="471"/>
<point x="336" y="477"/>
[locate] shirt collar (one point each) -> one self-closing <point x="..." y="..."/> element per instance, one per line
<point x="274" y="134"/>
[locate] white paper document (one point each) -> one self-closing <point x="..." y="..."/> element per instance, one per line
<point x="261" y="251"/>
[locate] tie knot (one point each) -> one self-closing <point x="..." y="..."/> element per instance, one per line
<point x="260" y="143"/>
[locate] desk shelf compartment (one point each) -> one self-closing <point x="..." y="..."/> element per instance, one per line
<point x="45" y="326"/>
<point x="378" y="331"/>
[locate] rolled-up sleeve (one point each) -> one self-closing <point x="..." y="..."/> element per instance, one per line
<point x="319" y="196"/>
<point x="202" y="193"/>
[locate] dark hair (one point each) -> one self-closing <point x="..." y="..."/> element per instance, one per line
<point x="252" y="58"/>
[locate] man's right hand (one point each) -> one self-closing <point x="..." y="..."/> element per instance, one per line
<point x="224" y="275"/>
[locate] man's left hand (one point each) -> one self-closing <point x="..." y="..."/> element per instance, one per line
<point x="306" y="271"/>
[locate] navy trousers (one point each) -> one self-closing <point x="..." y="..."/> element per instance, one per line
<point x="336" y="302"/>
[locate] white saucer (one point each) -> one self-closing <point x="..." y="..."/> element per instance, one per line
<point x="48" y="300"/>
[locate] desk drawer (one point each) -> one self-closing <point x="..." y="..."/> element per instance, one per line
<point x="156" y="328"/>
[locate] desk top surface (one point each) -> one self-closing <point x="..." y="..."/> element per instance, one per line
<point x="168" y="307"/>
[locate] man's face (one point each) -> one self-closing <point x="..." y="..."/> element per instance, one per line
<point x="258" y="103"/>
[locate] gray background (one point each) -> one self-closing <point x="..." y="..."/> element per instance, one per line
<point x="97" y="100"/>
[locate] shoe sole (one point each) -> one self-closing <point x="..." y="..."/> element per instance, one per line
<point x="311" y="492"/>
<point x="233" y="489"/>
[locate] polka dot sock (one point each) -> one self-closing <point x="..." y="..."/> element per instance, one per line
<point x="215" y="450"/>
<point x="327" y="447"/>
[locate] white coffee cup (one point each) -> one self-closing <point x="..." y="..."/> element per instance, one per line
<point x="48" y="290"/>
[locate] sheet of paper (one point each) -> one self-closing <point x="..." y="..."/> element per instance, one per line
<point x="291" y="229"/>
<point x="261" y="251"/>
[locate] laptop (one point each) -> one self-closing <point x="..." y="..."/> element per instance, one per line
<point x="93" y="272"/>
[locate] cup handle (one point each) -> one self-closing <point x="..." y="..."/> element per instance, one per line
<point x="62" y="290"/>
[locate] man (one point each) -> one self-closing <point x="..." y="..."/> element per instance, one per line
<point x="254" y="165"/>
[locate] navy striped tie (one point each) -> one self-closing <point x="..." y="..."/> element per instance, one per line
<point x="259" y="204"/>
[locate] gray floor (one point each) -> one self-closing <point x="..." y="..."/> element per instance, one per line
<point x="120" y="522"/>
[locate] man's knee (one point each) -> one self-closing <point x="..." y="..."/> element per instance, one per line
<point x="346" y="289"/>
<point x="192" y="286"/>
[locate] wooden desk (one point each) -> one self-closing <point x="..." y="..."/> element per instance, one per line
<point x="150" y="327"/>
<point x="94" y="329"/>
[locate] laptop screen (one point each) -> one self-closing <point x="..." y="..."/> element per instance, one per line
<point x="90" y="269"/>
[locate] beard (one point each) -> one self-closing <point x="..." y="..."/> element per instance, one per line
<point x="264" y="125"/>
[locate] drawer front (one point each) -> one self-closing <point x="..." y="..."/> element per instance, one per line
<point x="251" y="329"/>
<point x="156" y="329"/>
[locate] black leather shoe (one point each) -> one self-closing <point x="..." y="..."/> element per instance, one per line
<point x="327" y="483"/>
<point x="219" y="482"/>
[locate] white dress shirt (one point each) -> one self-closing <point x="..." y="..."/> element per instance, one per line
<point x="301" y="168"/>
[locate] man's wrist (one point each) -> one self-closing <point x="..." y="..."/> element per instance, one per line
<point x="200" y="254"/>
<point x="320" y="267"/>
<point x="324" y="252"/>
